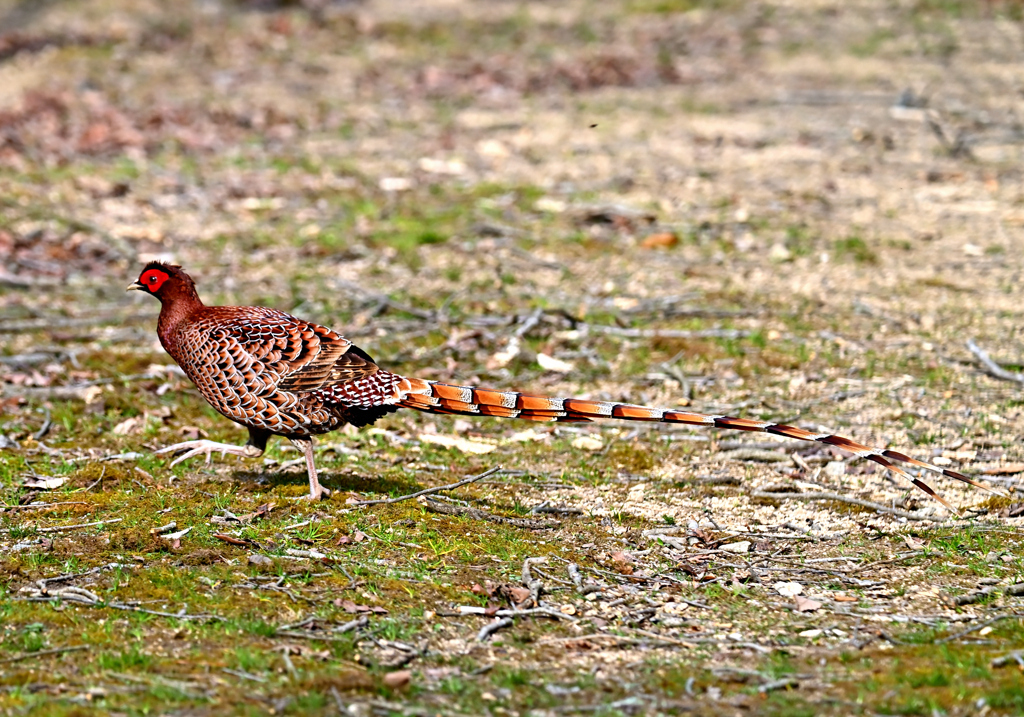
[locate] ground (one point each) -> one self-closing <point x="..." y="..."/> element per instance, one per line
<point x="799" y="212"/>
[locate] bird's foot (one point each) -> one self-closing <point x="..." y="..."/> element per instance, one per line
<point x="321" y="494"/>
<point x="203" y="446"/>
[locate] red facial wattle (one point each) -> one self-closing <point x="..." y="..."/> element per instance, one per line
<point x="153" y="280"/>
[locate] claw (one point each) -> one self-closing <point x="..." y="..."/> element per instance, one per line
<point x="204" y="446"/>
<point x="324" y="494"/>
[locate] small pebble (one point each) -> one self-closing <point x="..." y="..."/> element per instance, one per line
<point x="788" y="589"/>
<point x="743" y="546"/>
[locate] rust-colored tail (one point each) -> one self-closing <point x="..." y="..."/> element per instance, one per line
<point x="434" y="397"/>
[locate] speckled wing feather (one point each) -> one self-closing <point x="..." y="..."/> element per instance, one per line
<point x="434" y="397"/>
<point x="258" y="367"/>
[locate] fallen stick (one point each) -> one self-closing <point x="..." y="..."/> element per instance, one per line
<point x="991" y="367"/>
<point x="488" y="630"/>
<point x="784" y="683"/>
<point x="434" y="506"/>
<point x="41" y="653"/>
<point x="1005" y="660"/>
<point x="428" y="491"/>
<point x="664" y="333"/>
<point x="326" y="635"/>
<point x="979" y="626"/>
<point x="39" y="506"/>
<point x="244" y="675"/>
<point x="977" y="595"/>
<point x="83" y="597"/>
<point x="58" y="528"/>
<point x="541" y="611"/>
<point x="822" y="495"/>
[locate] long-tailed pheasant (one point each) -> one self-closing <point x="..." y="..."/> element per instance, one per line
<point x="279" y="375"/>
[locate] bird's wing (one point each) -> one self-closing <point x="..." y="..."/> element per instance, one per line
<point x="268" y="353"/>
<point x="281" y="351"/>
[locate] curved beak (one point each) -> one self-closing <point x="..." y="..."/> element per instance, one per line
<point x="135" y="286"/>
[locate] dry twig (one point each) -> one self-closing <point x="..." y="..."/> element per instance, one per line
<point x="434" y="506"/>
<point x="428" y="491"/>
<point x="979" y="626"/>
<point x="991" y="367"/>
<point x="42" y="653"/>
<point x="59" y="528"/>
<point x="491" y="628"/>
<point x="1005" y="660"/>
<point x="824" y="495"/>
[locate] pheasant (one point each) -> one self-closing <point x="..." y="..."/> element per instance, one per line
<point x="278" y="375"/>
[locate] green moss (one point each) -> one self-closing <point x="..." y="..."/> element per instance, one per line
<point x="855" y="248"/>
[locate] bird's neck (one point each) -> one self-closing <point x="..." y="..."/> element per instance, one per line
<point x="173" y="312"/>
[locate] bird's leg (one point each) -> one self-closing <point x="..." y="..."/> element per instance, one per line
<point x="253" y="448"/>
<point x="316" y="491"/>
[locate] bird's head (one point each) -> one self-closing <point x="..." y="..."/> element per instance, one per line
<point x="164" y="281"/>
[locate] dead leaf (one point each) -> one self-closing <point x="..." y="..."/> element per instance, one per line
<point x="840" y="597"/>
<point x="805" y="604"/>
<point x="193" y="433"/>
<point x="357" y="536"/>
<point x="519" y="595"/>
<point x="912" y="542"/>
<point x="264" y="509"/>
<point x="700" y="534"/>
<point x="659" y="240"/>
<point x="128" y="426"/>
<point x="1012" y="511"/>
<point x="623" y="563"/>
<point x="44" y="482"/>
<point x="398" y="679"/>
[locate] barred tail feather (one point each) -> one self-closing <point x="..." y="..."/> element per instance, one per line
<point x="443" y="398"/>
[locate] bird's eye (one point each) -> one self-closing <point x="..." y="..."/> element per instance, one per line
<point x="152" y="280"/>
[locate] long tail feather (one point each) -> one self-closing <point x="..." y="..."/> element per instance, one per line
<point x="434" y="397"/>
